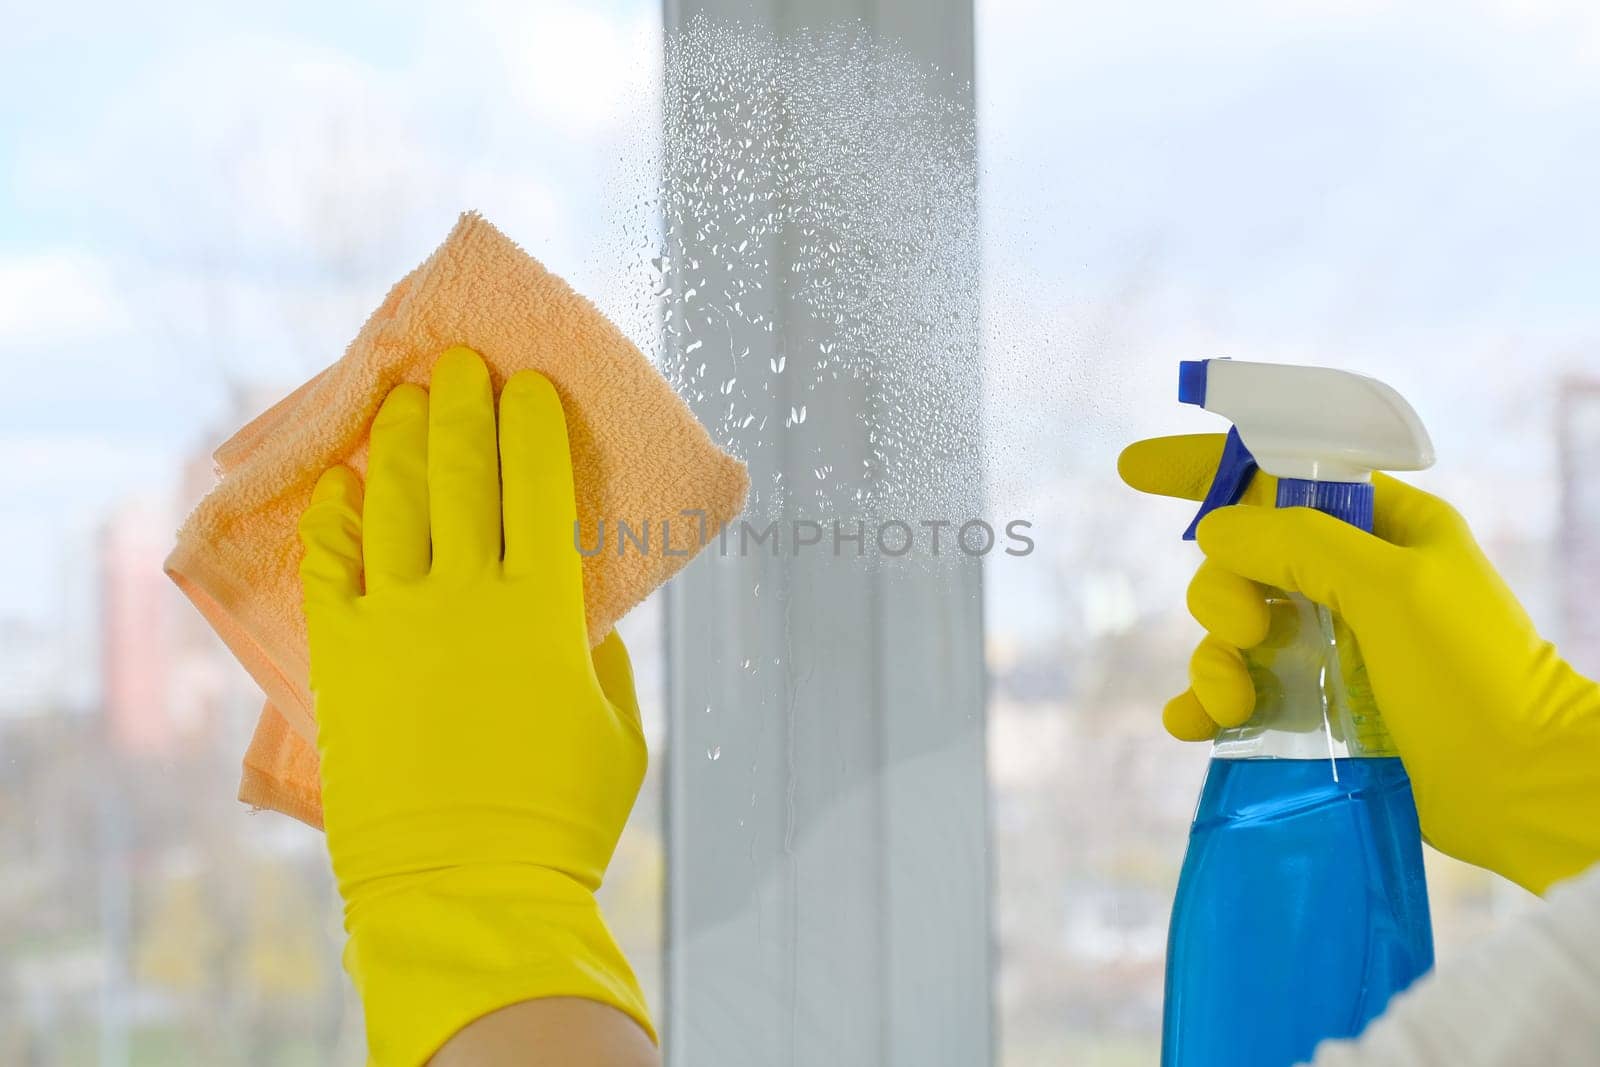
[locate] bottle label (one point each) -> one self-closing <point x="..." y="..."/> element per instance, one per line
<point x="1361" y="722"/>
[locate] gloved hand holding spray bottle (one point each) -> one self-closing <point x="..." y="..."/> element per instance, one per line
<point x="1302" y="906"/>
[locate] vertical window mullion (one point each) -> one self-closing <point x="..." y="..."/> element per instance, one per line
<point x="827" y="824"/>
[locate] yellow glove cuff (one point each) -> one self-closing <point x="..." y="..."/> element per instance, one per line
<point x="438" y="951"/>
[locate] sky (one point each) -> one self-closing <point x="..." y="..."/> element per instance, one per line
<point x="202" y="201"/>
<point x="217" y="196"/>
<point x="1401" y="189"/>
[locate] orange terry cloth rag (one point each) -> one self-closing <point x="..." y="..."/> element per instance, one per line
<point x="638" y="455"/>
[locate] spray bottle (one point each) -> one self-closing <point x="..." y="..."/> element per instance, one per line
<point x="1302" y="907"/>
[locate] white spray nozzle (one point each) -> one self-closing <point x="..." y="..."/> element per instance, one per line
<point x="1313" y="423"/>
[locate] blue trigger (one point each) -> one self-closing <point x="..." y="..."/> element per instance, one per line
<point x="1234" y="472"/>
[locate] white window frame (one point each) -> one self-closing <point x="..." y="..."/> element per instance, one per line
<point x="828" y="874"/>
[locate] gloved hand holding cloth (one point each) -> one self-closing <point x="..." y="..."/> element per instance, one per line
<point x="478" y="761"/>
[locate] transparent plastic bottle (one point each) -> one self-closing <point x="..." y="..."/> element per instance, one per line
<point x="1302" y="905"/>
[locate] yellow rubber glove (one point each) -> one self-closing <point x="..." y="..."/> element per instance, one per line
<point x="477" y="763"/>
<point x="1500" y="736"/>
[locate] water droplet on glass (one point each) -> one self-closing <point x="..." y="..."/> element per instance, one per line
<point x="714" y="752"/>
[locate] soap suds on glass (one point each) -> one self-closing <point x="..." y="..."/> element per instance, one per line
<point x="807" y="237"/>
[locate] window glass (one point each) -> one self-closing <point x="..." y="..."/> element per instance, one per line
<point x="198" y="209"/>
<point x="1401" y="190"/>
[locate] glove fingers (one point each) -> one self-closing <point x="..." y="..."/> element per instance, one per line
<point x="1186" y="720"/>
<point x="1405" y="515"/>
<point x="1231" y="607"/>
<point x="1221" y="682"/>
<point x="615" y="671"/>
<point x="1181" y="466"/>
<point x="540" y="511"/>
<point x="1300" y="550"/>
<point x="330" y="531"/>
<point x="463" y="464"/>
<point x="395" y="519"/>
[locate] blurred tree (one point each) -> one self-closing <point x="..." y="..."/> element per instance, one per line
<point x="178" y="945"/>
<point x="281" y="958"/>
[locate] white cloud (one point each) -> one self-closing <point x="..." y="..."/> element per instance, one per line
<point x="289" y="154"/>
<point x="77" y="467"/>
<point x="578" y="69"/>
<point x="58" y="296"/>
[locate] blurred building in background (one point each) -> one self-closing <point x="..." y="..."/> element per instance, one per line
<point x="136" y="642"/>
<point x="144" y="917"/>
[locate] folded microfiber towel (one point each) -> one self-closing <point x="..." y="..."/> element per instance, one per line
<point x="638" y="456"/>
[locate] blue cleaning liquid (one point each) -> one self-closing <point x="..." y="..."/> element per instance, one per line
<point x="1301" y="910"/>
